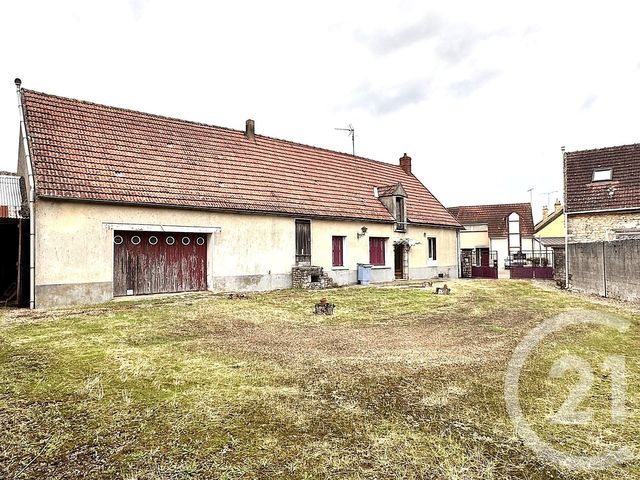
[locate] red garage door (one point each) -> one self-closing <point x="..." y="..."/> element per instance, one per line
<point x="154" y="262"/>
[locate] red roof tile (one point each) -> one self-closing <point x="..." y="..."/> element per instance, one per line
<point x="495" y="216"/>
<point x="86" y="151"/>
<point x="622" y="191"/>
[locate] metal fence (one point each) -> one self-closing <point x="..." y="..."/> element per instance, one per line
<point x="529" y="258"/>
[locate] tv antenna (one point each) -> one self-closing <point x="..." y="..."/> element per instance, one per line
<point x="548" y="194"/>
<point x="530" y="195"/>
<point x="352" y="134"/>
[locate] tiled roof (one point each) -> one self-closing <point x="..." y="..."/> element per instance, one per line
<point x="622" y="191"/>
<point x="10" y="196"/>
<point x="387" y="190"/>
<point x="86" y="151"/>
<point x="495" y="216"/>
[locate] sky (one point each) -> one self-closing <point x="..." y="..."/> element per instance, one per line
<point x="481" y="95"/>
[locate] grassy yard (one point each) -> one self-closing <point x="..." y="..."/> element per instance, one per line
<point x="399" y="383"/>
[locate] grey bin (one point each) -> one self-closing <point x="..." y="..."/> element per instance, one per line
<point x="364" y="273"/>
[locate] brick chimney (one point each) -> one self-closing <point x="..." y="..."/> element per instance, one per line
<point x="405" y="163"/>
<point x="545" y="212"/>
<point x="250" y="130"/>
<point x="557" y="206"/>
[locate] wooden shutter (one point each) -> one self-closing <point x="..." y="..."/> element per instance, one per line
<point x="376" y="251"/>
<point x="338" y="251"/>
<point x="303" y="242"/>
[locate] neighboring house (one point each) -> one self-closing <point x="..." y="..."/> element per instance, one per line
<point x="602" y="204"/>
<point x="550" y="239"/>
<point x="495" y="237"/>
<point x="14" y="231"/>
<point x="128" y="203"/>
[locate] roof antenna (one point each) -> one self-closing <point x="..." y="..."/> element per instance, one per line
<point x="352" y="133"/>
<point x="530" y="195"/>
<point x="548" y="194"/>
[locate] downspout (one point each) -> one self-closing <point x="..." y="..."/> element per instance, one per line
<point x="458" y="253"/>
<point x="566" y="222"/>
<point x="32" y="198"/>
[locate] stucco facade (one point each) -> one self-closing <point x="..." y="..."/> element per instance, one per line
<point x="553" y="229"/>
<point x="601" y="227"/>
<point x="74" y="249"/>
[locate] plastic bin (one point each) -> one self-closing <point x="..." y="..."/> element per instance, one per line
<point x="364" y="273"/>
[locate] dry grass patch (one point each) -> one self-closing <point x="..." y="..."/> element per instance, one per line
<point x="399" y="383"/>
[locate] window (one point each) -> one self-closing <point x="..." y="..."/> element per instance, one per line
<point x="377" y="248"/>
<point x="303" y="242"/>
<point x="338" y="251"/>
<point x="431" y="246"/>
<point x="602" y="175"/>
<point x="401" y="221"/>
<point x="514" y="233"/>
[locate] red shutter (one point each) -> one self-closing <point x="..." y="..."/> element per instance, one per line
<point x="338" y="254"/>
<point x="376" y="251"/>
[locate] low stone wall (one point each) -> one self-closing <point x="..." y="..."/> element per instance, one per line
<point x="310" y="277"/>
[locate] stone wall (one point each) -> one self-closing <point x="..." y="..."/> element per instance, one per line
<point x="601" y="227"/>
<point x="559" y="266"/>
<point x="310" y="277"/>
<point x="467" y="262"/>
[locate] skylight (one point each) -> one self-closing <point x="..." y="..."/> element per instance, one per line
<point x="602" y="175"/>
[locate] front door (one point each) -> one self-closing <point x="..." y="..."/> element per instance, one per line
<point x="484" y="257"/>
<point x="398" y="254"/>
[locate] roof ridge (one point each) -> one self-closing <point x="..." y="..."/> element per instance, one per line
<point x="491" y="205"/>
<point x="605" y="148"/>
<point x="210" y="125"/>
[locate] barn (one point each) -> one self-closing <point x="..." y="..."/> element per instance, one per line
<point x="131" y="203"/>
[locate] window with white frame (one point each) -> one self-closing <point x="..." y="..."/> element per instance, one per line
<point x="602" y="175"/>
<point x="514" y="233"/>
<point x="432" y="254"/>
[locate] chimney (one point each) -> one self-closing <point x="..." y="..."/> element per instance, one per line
<point x="405" y="164"/>
<point x="557" y="206"/>
<point x="250" y="130"/>
<point x="545" y="212"/>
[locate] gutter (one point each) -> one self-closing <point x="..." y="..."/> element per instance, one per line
<point x="610" y="210"/>
<point x="32" y="199"/>
<point x="566" y="222"/>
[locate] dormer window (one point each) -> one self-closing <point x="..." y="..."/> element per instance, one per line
<point x="394" y="199"/>
<point x="602" y="175"/>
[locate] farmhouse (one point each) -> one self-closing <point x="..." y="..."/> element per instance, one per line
<point x="495" y="239"/>
<point x="602" y="188"/>
<point x="127" y="203"/>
